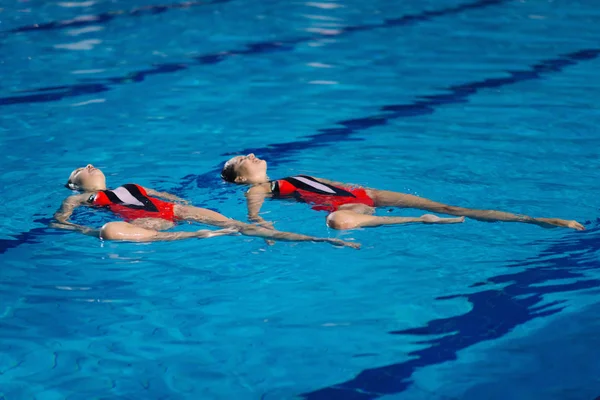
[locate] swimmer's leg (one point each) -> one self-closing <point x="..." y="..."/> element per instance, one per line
<point x="358" y="208"/>
<point x="128" y="232"/>
<point x="345" y="219"/>
<point x="209" y="217"/>
<point x="202" y="215"/>
<point x="385" y="198"/>
<point x="155" y="224"/>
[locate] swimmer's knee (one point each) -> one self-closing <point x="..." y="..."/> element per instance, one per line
<point x="127" y="232"/>
<point x="112" y="230"/>
<point x="341" y="220"/>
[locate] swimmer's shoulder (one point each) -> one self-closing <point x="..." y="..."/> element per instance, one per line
<point x="260" y="188"/>
<point x="80" y="198"/>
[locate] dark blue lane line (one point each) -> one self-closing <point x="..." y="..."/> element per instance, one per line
<point x="424" y="105"/>
<point x="109" y="16"/>
<point x="93" y="86"/>
<point x="287" y="44"/>
<point x="496" y="312"/>
<point x="277" y="153"/>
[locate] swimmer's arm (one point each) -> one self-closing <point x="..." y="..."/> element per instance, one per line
<point x="68" y="205"/>
<point x="74" y="227"/>
<point x="66" y="210"/>
<point x="165" y="195"/>
<point x="255" y="197"/>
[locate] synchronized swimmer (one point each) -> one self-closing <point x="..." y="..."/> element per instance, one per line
<point x="352" y="206"/>
<point x="146" y="215"/>
<point x="146" y="212"/>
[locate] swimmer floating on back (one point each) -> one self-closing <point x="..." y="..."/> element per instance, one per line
<point x="352" y="206"/>
<point x="147" y="215"/>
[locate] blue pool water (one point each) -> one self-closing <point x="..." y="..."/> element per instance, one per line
<point x="487" y="104"/>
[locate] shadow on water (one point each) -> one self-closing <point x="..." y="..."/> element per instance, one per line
<point x="495" y="313"/>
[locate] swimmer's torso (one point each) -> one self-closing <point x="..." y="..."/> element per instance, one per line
<point x="131" y="202"/>
<point x="325" y="197"/>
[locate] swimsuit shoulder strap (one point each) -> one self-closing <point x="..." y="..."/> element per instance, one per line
<point x="275" y="189"/>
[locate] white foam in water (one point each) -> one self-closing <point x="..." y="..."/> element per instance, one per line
<point x="77" y="32"/>
<point x="320" y="17"/>
<point x="89" y="102"/>
<point x="319" y="65"/>
<point x="323" y="31"/>
<point x="86" y="18"/>
<point x="326" y="6"/>
<point x="71" y="4"/>
<point x="82" y="45"/>
<point x="87" y="71"/>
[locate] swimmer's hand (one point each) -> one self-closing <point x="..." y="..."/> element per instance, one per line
<point x="268" y="225"/>
<point x="263" y="223"/>
<point x="338" y="242"/>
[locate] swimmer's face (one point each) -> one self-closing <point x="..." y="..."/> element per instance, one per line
<point x="248" y="169"/>
<point x="88" y="178"/>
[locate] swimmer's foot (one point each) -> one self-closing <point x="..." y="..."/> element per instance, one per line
<point x="556" y="222"/>
<point x="434" y="219"/>
<point x="575" y="225"/>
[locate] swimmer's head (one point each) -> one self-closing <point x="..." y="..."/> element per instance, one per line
<point x="245" y="170"/>
<point x="87" y="179"/>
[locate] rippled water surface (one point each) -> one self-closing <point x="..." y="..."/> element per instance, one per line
<point x="486" y="104"/>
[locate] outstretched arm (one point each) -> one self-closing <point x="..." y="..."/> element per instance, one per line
<point x="259" y="231"/>
<point x="74" y="227"/>
<point x="165" y="195"/>
<point x="255" y="197"/>
<point x="209" y="217"/>
<point x="393" y="199"/>
<point x="253" y="230"/>
<point x="66" y="210"/>
<point x="232" y="227"/>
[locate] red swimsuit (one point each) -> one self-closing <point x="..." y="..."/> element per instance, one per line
<point x="325" y="197"/>
<point x="131" y="202"/>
